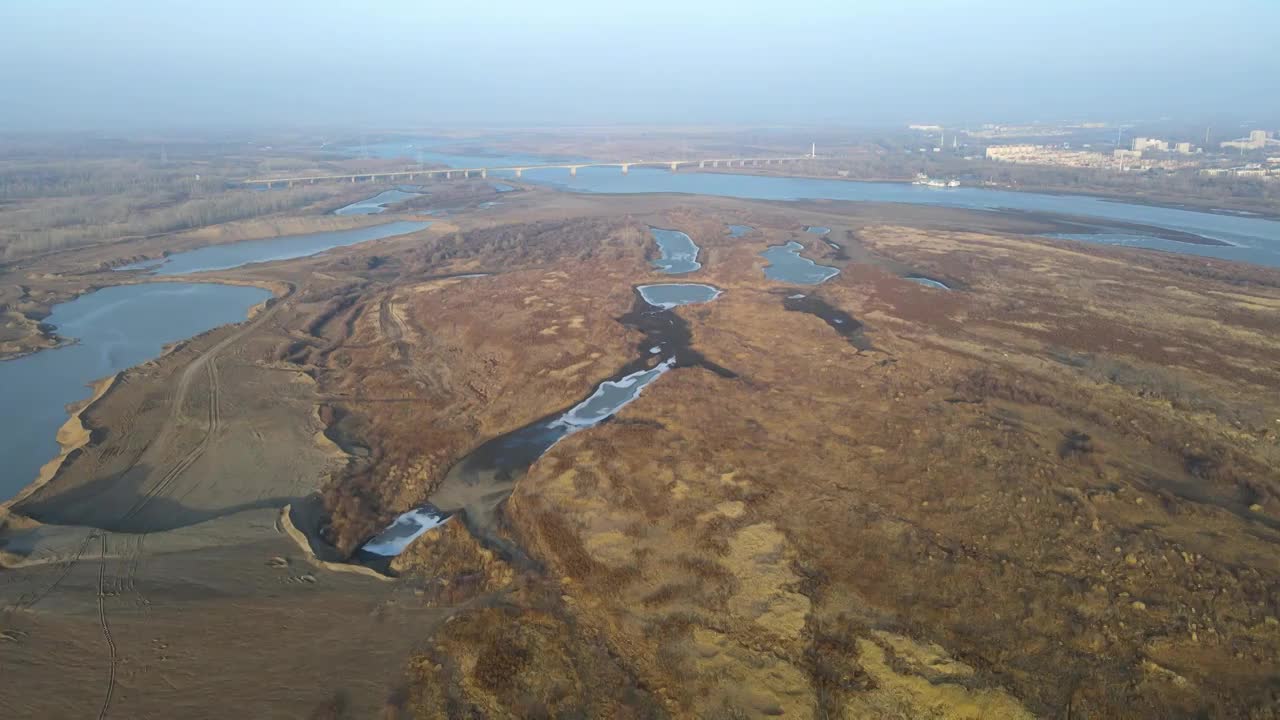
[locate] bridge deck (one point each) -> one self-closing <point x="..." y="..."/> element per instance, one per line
<point x="518" y="169"/>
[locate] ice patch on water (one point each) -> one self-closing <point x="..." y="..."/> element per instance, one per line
<point x="673" y="295"/>
<point x="406" y="528"/>
<point x="927" y="282"/>
<point x="610" y="397"/>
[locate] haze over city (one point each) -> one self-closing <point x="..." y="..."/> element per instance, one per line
<point x="86" y="64"/>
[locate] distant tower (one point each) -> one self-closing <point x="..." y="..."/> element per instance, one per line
<point x="942" y="140"/>
<point x="813" y="150"/>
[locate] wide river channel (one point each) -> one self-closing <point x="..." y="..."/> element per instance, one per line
<point x="1251" y="239"/>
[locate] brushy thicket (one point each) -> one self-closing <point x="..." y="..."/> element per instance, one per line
<point x="55" y="206"/>
<point x="64" y="193"/>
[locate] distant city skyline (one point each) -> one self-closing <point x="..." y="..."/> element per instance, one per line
<point x="84" y="64"/>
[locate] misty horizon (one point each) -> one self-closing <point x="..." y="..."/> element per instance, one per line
<point x="76" y="65"/>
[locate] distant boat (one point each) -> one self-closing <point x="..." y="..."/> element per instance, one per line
<point x="927" y="181"/>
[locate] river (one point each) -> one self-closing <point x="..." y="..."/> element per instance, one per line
<point x="114" y="328"/>
<point x="1249" y="239"/>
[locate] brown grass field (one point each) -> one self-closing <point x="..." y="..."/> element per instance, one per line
<point x="1049" y="492"/>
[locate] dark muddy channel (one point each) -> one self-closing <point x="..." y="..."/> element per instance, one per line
<point x="847" y="326"/>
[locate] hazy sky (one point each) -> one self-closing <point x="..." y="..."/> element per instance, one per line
<point x="108" y="64"/>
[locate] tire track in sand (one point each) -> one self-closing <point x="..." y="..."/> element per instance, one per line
<point x="66" y="570"/>
<point x="106" y="630"/>
<point x="207" y="362"/>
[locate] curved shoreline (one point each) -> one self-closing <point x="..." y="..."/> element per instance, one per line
<point x="74" y="435"/>
<point x="71" y="436"/>
<point x="1097" y="195"/>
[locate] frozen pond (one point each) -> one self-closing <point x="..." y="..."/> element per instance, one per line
<point x="670" y="295"/>
<point x="787" y="265"/>
<point x="679" y="253"/>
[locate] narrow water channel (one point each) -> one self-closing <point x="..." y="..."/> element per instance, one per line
<point x="232" y="255"/>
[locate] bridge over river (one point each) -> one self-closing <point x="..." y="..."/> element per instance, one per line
<point x="518" y="170"/>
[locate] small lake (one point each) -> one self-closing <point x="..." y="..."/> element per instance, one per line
<point x="671" y="295"/>
<point x="787" y="265"/>
<point x="115" y="328"/>
<point x="679" y="252"/>
<point x="232" y="255"/>
<point x="376" y="204"/>
<point x="817" y="229"/>
<point x="737" y="231"/>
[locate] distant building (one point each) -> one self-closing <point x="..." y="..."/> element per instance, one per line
<point x="1065" y="157"/>
<point x="1257" y="140"/>
<point x="1046" y="155"/>
<point x="1183" y="148"/>
<point x="1251" y="170"/>
<point x="925" y="128"/>
<point x="1141" y="143"/>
